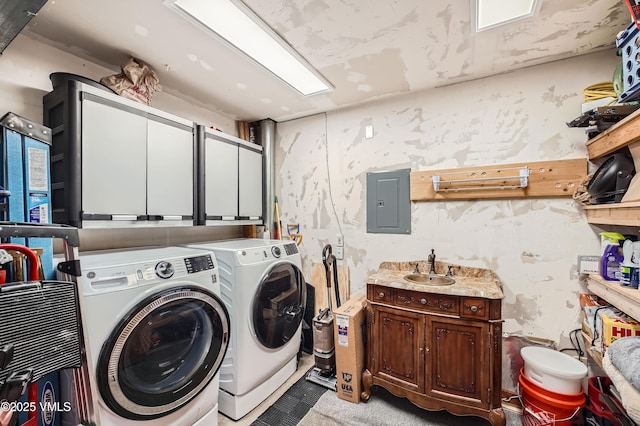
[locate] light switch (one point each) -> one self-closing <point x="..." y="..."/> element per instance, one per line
<point x="368" y="132"/>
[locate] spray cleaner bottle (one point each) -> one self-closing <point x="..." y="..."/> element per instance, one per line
<point x="611" y="257"/>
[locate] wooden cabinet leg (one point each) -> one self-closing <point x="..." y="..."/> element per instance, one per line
<point x="367" y="381"/>
<point x="497" y="417"/>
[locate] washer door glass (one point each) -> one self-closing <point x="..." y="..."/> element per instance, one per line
<point x="278" y="305"/>
<point x="164" y="353"/>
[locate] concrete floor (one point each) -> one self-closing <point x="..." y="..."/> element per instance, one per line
<point x="306" y="362"/>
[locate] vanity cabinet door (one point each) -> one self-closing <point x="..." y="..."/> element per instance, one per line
<point x="398" y="347"/>
<point x="458" y="361"/>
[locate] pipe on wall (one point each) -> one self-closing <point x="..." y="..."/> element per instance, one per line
<point x="267" y="138"/>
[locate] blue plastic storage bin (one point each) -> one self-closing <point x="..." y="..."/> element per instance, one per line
<point x="629" y="43"/>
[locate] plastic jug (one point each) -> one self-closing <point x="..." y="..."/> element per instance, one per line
<point x="610" y="262"/>
<point x="627" y="265"/>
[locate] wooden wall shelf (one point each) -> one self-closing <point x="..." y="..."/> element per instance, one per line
<point x="626" y="299"/>
<point x="626" y="214"/>
<point x="623" y="133"/>
<point x="591" y="351"/>
<point x="557" y="178"/>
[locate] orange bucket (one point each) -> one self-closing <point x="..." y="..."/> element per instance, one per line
<point x="541" y="406"/>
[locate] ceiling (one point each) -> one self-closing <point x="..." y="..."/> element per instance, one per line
<point x="367" y="49"/>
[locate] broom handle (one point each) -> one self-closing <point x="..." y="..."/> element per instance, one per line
<point x="278" y="225"/>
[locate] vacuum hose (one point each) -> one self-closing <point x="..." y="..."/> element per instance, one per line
<point x="327" y="261"/>
<point x="335" y="281"/>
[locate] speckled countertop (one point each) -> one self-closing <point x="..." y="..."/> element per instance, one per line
<point x="474" y="282"/>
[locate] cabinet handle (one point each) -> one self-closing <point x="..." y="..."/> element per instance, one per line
<point x="381" y="294"/>
<point x="473" y="308"/>
<point x="423" y="301"/>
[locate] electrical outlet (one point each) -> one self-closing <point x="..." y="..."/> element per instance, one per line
<point x="339" y="240"/>
<point x="339" y="252"/>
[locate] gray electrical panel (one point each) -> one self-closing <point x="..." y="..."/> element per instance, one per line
<point x="388" y="202"/>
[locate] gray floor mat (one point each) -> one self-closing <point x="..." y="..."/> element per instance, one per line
<point x="293" y="405"/>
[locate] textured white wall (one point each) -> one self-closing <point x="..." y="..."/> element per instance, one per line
<point x="532" y="244"/>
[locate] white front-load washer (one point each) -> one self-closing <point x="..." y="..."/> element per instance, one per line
<point x="156" y="332"/>
<point x="262" y="285"/>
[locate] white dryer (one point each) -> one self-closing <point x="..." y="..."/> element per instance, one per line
<point x="262" y="285"/>
<point x="156" y="332"/>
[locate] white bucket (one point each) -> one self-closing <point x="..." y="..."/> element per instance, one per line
<point x="553" y="370"/>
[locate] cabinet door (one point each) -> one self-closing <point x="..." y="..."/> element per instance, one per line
<point x="170" y="165"/>
<point x="398" y="348"/>
<point x="458" y="362"/>
<point x="114" y="151"/>
<point x="221" y="178"/>
<point x="250" y="183"/>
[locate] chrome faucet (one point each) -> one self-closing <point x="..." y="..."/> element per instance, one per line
<point x="432" y="263"/>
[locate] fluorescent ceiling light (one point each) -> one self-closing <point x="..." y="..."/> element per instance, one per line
<point x="236" y="24"/>
<point x="491" y="13"/>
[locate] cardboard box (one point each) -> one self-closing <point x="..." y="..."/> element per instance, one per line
<point x="589" y="299"/>
<point x="618" y="326"/>
<point x="349" y="334"/>
<point x="591" y="304"/>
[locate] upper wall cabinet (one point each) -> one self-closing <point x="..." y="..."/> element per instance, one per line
<point x="118" y="163"/>
<point x="231" y="173"/>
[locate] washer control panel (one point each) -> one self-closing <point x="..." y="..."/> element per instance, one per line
<point x="199" y="263"/>
<point x="123" y="270"/>
<point x="164" y="269"/>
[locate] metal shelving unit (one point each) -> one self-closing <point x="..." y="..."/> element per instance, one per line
<point x="70" y="270"/>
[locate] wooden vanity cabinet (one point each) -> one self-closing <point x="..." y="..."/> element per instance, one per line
<point x="442" y="352"/>
<point x="398" y="355"/>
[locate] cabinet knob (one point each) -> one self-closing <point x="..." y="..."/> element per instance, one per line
<point x="423" y="301"/>
<point x="381" y="294"/>
<point x="473" y="308"/>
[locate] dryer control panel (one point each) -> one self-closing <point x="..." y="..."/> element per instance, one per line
<point x="268" y="253"/>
